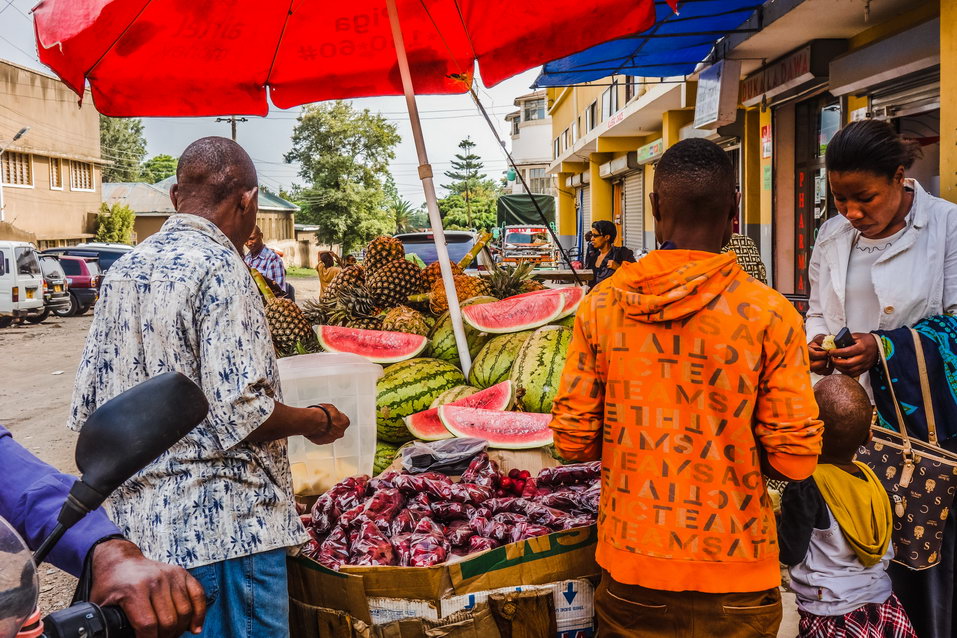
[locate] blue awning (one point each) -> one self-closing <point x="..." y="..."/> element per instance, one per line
<point x="674" y="46"/>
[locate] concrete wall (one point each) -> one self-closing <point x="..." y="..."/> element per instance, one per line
<point x="533" y="144"/>
<point x="58" y="128"/>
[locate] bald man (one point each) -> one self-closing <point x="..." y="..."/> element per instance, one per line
<point x="219" y="503"/>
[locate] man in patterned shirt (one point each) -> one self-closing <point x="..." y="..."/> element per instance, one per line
<point x="219" y="502"/>
<point x="264" y="259"/>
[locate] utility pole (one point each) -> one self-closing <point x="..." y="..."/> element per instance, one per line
<point x="232" y="123"/>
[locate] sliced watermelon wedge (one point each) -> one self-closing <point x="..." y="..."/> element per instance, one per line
<point x="427" y="426"/>
<point x="515" y="313"/>
<point x="506" y="430"/>
<point x="573" y="297"/>
<point x="378" y="346"/>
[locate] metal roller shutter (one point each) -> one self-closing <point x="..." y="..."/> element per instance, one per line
<point x="586" y="209"/>
<point x="634" y="211"/>
<point x="912" y="94"/>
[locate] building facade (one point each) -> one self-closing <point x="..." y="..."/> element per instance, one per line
<point x="51" y="176"/>
<point x="531" y="132"/>
<point x="797" y="80"/>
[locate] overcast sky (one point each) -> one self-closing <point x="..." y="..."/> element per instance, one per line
<point x="445" y="120"/>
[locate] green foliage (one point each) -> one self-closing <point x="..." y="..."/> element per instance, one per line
<point x="471" y="202"/>
<point x="398" y="208"/>
<point x="342" y="153"/>
<point x="115" y="223"/>
<point x="122" y="142"/>
<point x="158" y="168"/>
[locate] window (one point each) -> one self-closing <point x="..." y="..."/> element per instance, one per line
<point x="537" y="180"/>
<point x="56" y="174"/>
<point x="71" y="267"/>
<point x="534" y="110"/>
<point x="609" y="101"/>
<point x="27" y="262"/>
<point x="591" y="116"/>
<point x="556" y="148"/>
<point x="576" y="125"/>
<point x="17" y="169"/>
<point x="631" y="87"/>
<point x="566" y="138"/>
<point x="81" y="176"/>
<point x="514" y="125"/>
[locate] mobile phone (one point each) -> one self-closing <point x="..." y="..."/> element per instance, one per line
<point x="844" y="339"/>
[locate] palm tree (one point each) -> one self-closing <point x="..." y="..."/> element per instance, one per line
<point x="401" y="211"/>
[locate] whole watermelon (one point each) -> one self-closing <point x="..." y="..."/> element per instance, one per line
<point x="538" y="368"/>
<point x="409" y="387"/>
<point x="442" y="340"/>
<point x="494" y="361"/>
<point x="456" y="393"/>
<point x="385" y="453"/>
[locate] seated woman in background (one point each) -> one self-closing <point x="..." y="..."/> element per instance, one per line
<point x="607" y="257"/>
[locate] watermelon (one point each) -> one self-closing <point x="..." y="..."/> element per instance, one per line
<point x="565" y="322"/>
<point x="427" y="426"/>
<point x="409" y="387"/>
<point x="454" y="394"/>
<point x="573" y="297"/>
<point x="378" y="346"/>
<point x="494" y="361"/>
<point x="442" y="340"/>
<point x="385" y="454"/>
<point x="507" y="430"/>
<point x="537" y="370"/>
<point x="515" y="313"/>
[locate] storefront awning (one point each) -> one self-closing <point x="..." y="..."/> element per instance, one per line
<point x="674" y="46"/>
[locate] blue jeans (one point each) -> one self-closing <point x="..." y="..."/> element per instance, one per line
<point x="246" y="597"/>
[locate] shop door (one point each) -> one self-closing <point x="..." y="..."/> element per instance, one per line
<point x="816" y="122"/>
<point x="634" y="211"/>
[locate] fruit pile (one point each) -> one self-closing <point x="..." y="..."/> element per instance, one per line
<point x="420" y="520"/>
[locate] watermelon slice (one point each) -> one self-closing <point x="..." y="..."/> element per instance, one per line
<point x="573" y="297"/>
<point x="378" y="346"/>
<point x="427" y="426"/>
<point x="506" y="430"/>
<point x="515" y="313"/>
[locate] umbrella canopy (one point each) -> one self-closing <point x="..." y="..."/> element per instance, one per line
<point x="216" y="57"/>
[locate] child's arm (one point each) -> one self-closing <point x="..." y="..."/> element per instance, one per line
<point x="802" y="510"/>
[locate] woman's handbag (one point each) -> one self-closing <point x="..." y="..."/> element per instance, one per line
<point x="920" y="477"/>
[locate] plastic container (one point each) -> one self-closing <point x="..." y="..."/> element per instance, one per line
<point x="348" y="382"/>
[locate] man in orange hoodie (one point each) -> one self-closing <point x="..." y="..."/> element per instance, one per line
<point x="688" y="379"/>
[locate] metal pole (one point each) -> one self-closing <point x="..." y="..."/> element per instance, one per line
<point x="425" y="174"/>
<point x="232" y="124"/>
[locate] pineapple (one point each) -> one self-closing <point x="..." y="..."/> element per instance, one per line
<point x="404" y="319"/>
<point x="507" y="281"/>
<point x="392" y="284"/>
<point x="315" y="310"/>
<point x="288" y="325"/>
<point x="365" y="323"/>
<point x="466" y="287"/>
<point x="433" y="273"/>
<point x="347" y="277"/>
<point x="382" y="250"/>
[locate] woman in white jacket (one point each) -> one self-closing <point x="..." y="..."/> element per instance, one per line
<point x="888" y="261"/>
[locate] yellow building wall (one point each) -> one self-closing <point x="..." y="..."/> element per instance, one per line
<point x="948" y="100"/>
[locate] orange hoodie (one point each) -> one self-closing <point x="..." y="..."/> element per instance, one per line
<point x="682" y="372"/>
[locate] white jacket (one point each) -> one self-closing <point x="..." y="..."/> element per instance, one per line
<point x="914" y="279"/>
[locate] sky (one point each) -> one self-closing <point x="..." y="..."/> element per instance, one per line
<point x="446" y="120"/>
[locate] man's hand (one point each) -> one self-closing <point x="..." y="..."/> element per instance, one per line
<point x="326" y="428"/>
<point x="160" y="600"/>
<point x="820" y="363"/>
<point x="857" y="359"/>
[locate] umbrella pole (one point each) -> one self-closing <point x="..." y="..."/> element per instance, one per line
<point x="425" y="175"/>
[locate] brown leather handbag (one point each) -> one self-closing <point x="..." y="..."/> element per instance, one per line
<point x="920" y="477"/>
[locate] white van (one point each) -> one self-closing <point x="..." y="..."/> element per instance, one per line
<point x="21" y="281"/>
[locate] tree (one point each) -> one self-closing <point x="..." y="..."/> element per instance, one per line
<point x="122" y="142"/>
<point x="397" y="207"/>
<point x="467" y="174"/>
<point x="158" y="168"/>
<point x="342" y="153"/>
<point x="115" y="223"/>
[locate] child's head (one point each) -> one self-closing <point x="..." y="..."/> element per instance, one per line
<point x="846" y="412"/>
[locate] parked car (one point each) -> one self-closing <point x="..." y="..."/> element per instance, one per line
<point x="21" y="281"/>
<point x="459" y="242"/>
<point x="56" y="296"/>
<point x="83" y="279"/>
<point x="105" y="253"/>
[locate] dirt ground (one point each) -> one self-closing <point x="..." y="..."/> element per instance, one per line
<point x="40" y="364"/>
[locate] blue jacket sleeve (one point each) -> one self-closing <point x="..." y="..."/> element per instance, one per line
<point x="31" y="495"/>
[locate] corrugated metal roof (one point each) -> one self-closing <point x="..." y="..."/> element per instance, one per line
<point x="154" y="198"/>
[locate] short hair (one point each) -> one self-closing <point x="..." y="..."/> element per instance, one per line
<point x="605" y="228"/>
<point x="698" y="174"/>
<point x="846" y="412"/>
<point x="326" y="259"/>
<point x="870" y="146"/>
<point x="219" y="164"/>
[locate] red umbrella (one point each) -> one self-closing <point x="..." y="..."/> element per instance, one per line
<point x="217" y="57"/>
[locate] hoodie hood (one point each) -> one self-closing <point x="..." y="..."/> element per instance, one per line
<point x="667" y="285"/>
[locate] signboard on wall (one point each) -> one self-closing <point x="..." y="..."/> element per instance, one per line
<point x="766" y="141"/>
<point x="716" y="103"/>
<point x="650" y="152"/>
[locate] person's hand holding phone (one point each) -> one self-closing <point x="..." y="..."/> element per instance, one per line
<point x="855" y="354"/>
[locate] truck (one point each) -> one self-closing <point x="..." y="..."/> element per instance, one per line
<point x="523" y="235"/>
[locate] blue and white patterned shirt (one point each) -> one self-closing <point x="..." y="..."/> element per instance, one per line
<point x="183" y="300"/>
<point x="268" y="263"/>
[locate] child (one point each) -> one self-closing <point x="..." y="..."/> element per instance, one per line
<point x="835" y="529"/>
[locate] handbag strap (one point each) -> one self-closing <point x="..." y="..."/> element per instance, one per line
<point x="925" y="388"/>
<point x="907" y="472"/>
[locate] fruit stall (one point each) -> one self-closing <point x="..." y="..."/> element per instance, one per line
<point x="399" y="533"/>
